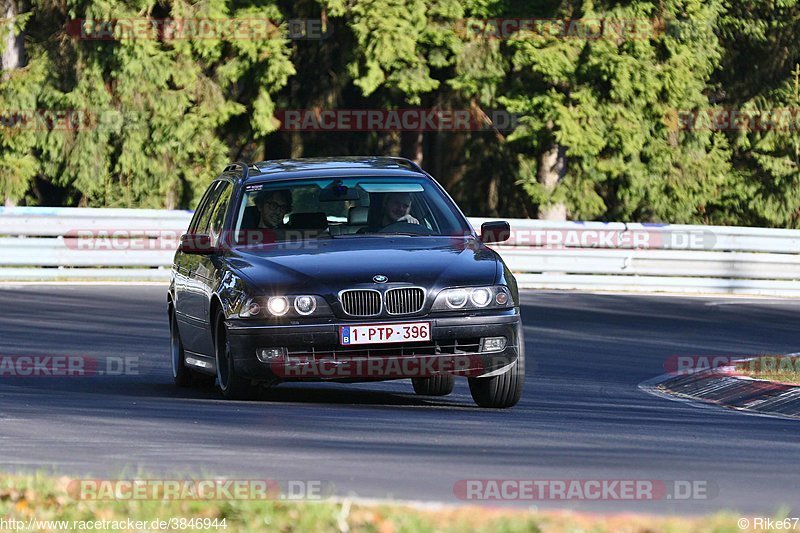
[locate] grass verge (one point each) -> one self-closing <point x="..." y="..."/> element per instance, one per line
<point x="780" y="368"/>
<point x="41" y="498"/>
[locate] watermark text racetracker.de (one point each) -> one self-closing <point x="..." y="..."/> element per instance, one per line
<point x="689" y="364"/>
<point x="783" y="119"/>
<point x="548" y="238"/>
<point x="69" y="120"/>
<point x="48" y="366"/>
<point x="657" y="239"/>
<point x="590" y="29"/>
<point x="386" y="120"/>
<point x="225" y="29"/>
<point x="123" y="240"/>
<point x="211" y="489"/>
<point x="583" y="489"/>
<point x="381" y="365"/>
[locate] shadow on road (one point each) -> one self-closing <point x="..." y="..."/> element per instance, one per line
<point x="99" y="389"/>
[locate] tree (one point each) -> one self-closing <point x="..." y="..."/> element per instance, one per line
<point x="597" y="137"/>
<point x="17" y="167"/>
<point x="152" y="112"/>
<point x="760" y="76"/>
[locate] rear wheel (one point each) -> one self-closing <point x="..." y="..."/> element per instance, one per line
<point x="434" y="386"/>
<point x="181" y="375"/>
<point x="232" y="385"/>
<point x="501" y="391"/>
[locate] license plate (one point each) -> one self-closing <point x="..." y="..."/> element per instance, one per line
<point x="385" y="333"/>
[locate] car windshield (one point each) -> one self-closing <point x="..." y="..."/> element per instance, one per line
<point x="346" y="208"/>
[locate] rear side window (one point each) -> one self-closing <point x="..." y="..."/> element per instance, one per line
<point x="218" y="213"/>
<point x="203" y="215"/>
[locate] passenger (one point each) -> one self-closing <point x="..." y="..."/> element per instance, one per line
<point x="273" y="206"/>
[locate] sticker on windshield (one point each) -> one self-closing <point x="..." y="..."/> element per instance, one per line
<point x="251" y="188"/>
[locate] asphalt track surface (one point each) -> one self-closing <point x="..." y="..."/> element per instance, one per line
<point x="582" y="415"/>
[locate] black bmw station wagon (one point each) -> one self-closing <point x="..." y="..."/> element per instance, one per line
<point x="347" y="269"/>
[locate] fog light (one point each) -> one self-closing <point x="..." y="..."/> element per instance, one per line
<point x="493" y="344"/>
<point x="269" y="355"/>
<point x="278" y="305"/>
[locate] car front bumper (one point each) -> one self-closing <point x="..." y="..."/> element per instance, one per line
<point x="313" y="352"/>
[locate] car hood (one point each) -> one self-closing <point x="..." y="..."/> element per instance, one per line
<point x="328" y="266"/>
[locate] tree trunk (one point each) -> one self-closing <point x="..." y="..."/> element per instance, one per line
<point x="171" y="201"/>
<point x="447" y="158"/>
<point x="13" y="56"/>
<point x="411" y="146"/>
<point x="552" y="169"/>
<point x="13" y="48"/>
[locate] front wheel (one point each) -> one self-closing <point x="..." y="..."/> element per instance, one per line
<point x="232" y="385"/>
<point x="434" y="386"/>
<point x="181" y="375"/>
<point x="505" y="390"/>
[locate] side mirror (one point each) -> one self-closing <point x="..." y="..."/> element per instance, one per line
<point x="199" y="244"/>
<point x="499" y="231"/>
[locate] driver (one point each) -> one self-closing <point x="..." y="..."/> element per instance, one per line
<point x="397" y="208"/>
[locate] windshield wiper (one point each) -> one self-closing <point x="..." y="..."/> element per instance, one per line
<point x="379" y="234"/>
<point x="389" y="234"/>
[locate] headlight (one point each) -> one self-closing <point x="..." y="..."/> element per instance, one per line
<point x="252" y="308"/>
<point x="302" y="305"/>
<point x="305" y="305"/>
<point x="278" y="305"/>
<point x="495" y="297"/>
<point x="456" y="298"/>
<point x="481" y="297"/>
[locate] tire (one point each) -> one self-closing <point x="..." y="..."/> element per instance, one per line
<point x="232" y="385"/>
<point x="505" y="390"/>
<point x="181" y="375"/>
<point x="434" y="386"/>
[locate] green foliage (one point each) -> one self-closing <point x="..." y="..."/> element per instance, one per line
<point x="399" y="41"/>
<point x="160" y="105"/>
<point x="607" y="101"/>
<point x="163" y="116"/>
<point x="762" y="69"/>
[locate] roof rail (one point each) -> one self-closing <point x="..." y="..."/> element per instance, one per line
<point x="240" y="165"/>
<point x="407" y="163"/>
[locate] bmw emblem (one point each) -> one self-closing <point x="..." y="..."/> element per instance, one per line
<point x="380" y="278"/>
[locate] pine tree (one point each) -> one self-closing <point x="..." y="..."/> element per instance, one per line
<point x="599" y="132"/>
<point x="157" y="109"/>
<point x="17" y="166"/>
<point x="760" y="77"/>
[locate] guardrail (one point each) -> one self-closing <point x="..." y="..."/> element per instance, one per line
<point x="41" y="243"/>
<point x="128" y="244"/>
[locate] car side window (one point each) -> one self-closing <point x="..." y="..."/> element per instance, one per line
<point x="219" y="211"/>
<point x="208" y="209"/>
<point x="422" y="211"/>
<point x="199" y="210"/>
